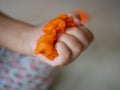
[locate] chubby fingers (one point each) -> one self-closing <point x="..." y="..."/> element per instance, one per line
<point x="88" y="32"/>
<point x="69" y="46"/>
<point x="73" y="44"/>
<point x="82" y="34"/>
<point x="75" y="40"/>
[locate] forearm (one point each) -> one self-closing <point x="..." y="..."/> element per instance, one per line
<point x="13" y="33"/>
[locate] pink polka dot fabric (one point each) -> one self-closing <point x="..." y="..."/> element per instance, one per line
<point x="19" y="72"/>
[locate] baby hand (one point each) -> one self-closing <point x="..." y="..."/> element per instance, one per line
<point x="69" y="46"/>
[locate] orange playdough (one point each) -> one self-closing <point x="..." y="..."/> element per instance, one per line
<point x="82" y="14"/>
<point x="46" y="43"/>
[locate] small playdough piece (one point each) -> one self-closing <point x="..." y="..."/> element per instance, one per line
<point x="46" y="43"/>
<point x="82" y="14"/>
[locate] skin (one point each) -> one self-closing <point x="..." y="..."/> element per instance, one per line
<point x="22" y="37"/>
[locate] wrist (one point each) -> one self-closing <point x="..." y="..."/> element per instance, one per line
<point x="32" y="39"/>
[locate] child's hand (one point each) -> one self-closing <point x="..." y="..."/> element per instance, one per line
<point x="69" y="46"/>
<point x="22" y="38"/>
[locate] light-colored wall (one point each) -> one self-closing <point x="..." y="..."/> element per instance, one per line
<point x="98" y="68"/>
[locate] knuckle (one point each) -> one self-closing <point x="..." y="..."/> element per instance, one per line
<point x="67" y="56"/>
<point x="65" y="59"/>
<point x="90" y="33"/>
<point x="58" y="64"/>
<point x="86" y="44"/>
<point x="78" y="49"/>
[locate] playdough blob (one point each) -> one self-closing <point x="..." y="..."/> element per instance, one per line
<point x="46" y="43"/>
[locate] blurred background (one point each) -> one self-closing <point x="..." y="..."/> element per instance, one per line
<point x="98" y="68"/>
